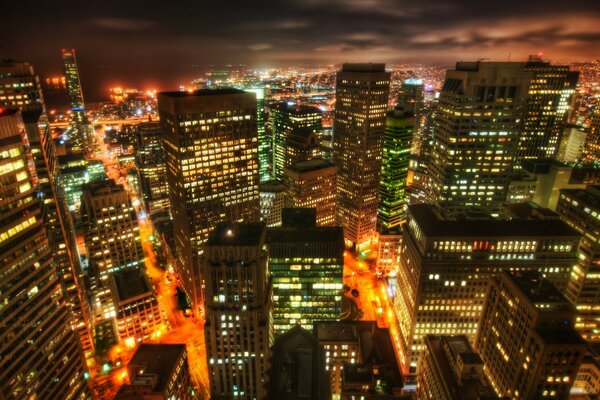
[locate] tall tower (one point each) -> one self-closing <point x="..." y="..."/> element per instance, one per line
<point x="361" y="100"/>
<point x="399" y="129"/>
<point x="591" y="149"/>
<point x="238" y="310"/>
<point x="80" y="126"/>
<point x="150" y="162"/>
<point x="211" y="155"/>
<point x="40" y="356"/>
<point x="265" y="146"/>
<point x="284" y="119"/>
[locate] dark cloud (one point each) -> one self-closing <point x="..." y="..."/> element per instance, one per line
<point x="165" y="43"/>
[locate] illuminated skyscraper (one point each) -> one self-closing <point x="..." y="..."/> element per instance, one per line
<point x="265" y="145"/>
<point x="526" y="339"/>
<point x="411" y="97"/>
<point x="445" y="265"/>
<point x="238" y="328"/>
<point x="81" y="129"/>
<point x="591" y="150"/>
<point x="211" y="155"/>
<point x="361" y="101"/>
<point x="399" y="129"/>
<point x="311" y="184"/>
<point x="302" y="144"/>
<point x="580" y="208"/>
<point x="285" y="118"/>
<point x="306" y="265"/>
<point x="150" y="162"/>
<point x="272" y="201"/>
<point x="40" y="356"/>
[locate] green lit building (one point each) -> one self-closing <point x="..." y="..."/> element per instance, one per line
<point x="81" y="129"/>
<point x="306" y="265"/>
<point x="76" y="171"/>
<point x="265" y="145"/>
<point x="284" y="119"/>
<point x="399" y="128"/>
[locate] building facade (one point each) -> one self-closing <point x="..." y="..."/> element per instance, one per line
<point x="211" y="155"/>
<point x="362" y="92"/>
<point x="150" y="162"/>
<point x="238" y="328"/>
<point x="272" y="200"/>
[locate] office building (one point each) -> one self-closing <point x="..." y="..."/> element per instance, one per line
<point x="571" y="147"/>
<point x="580" y="208"/>
<point x="361" y="101"/>
<point x="285" y="118"/>
<point x="411" y="96"/>
<point x="211" y="156"/>
<point x="150" y="162"/>
<point x="399" y="128"/>
<point x="158" y="372"/>
<point x="451" y="370"/>
<point x="526" y="339"/>
<point x="306" y="265"/>
<point x="272" y="198"/>
<point x="40" y="354"/>
<point x="137" y="314"/>
<point x="388" y="257"/>
<point x="312" y="184"/>
<point x="82" y="132"/>
<point x="75" y="172"/>
<point x="298" y="368"/>
<point x="445" y="265"/>
<point x="265" y="144"/>
<point x="591" y="149"/>
<point x="359" y="348"/>
<point x="587" y="382"/>
<point x="302" y="144"/>
<point x="238" y="328"/>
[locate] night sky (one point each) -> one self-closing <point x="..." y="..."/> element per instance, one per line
<point x="163" y="44"/>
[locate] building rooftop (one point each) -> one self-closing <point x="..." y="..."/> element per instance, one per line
<point x="363" y="67"/>
<point x="296" y="108"/>
<point x="432" y="225"/>
<point x="310" y="165"/>
<point x="530" y="211"/>
<point x="201" y="92"/>
<point x="237" y="234"/>
<point x="542" y="165"/>
<point x="538" y="290"/>
<point x="159" y="360"/>
<point x="590" y="195"/>
<point x="130" y="283"/>
<point x="272" y="186"/>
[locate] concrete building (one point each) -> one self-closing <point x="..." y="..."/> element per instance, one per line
<point x="355" y="348"/>
<point x="312" y="184"/>
<point x="451" y="370"/>
<point x="302" y="144"/>
<point x="591" y="149"/>
<point x="238" y="327"/>
<point x="158" y="372"/>
<point x="137" y="314"/>
<point x="150" y="162"/>
<point x="361" y="102"/>
<point x="40" y="355"/>
<point x="572" y="144"/>
<point x="527" y="340"/>
<point x="306" y="265"/>
<point x="298" y="368"/>
<point x="445" y="266"/>
<point x="580" y="208"/>
<point x="388" y="258"/>
<point x="272" y="201"/>
<point x="211" y="155"/>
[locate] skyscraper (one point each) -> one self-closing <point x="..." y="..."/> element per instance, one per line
<point x="41" y="357"/>
<point x="399" y="129"/>
<point x="306" y="265"/>
<point x="361" y="101"/>
<point x="211" y="156"/>
<point x="272" y="201"/>
<point x="285" y="118"/>
<point x="302" y="144"/>
<point x="312" y="184"/>
<point x="238" y="303"/>
<point x="265" y="145"/>
<point x="445" y="265"/>
<point x="81" y="130"/>
<point x="580" y="208"/>
<point x="591" y="149"/>
<point x="526" y="339"/>
<point x="150" y="162"/>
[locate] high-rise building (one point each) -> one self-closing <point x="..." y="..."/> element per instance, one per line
<point x="359" y="346"/>
<point x="298" y="367"/>
<point x="445" y="265"/>
<point x="580" y="208"/>
<point x="451" y="370"/>
<point x="302" y="144"/>
<point x="526" y="339"/>
<point x="591" y="149"/>
<point x="211" y="156"/>
<point x="399" y="128"/>
<point x="40" y="355"/>
<point x="158" y="371"/>
<point x="285" y="118"/>
<point x="75" y="172"/>
<point x="492" y="116"/>
<point x="265" y="145"/>
<point x="306" y="265"/>
<point x="272" y="200"/>
<point x="312" y="184"/>
<point x="150" y="162"/>
<point x="411" y="96"/>
<point x="573" y="142"/>
<point x="81" y="130"/>
<point x="361" y="100"/>
<point x="238" y="328"/>
<point x="388" y="257"/>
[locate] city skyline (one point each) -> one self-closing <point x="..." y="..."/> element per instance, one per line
<point x="168" y="46"/>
